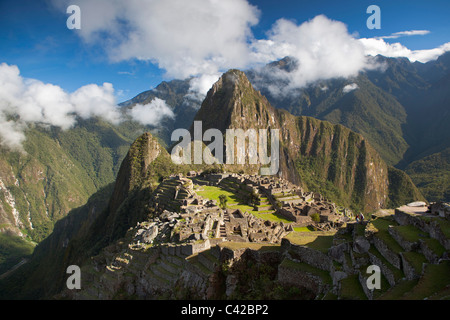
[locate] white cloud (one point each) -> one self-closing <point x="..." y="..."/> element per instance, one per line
<point x="185" y="38"/>
<point x="374" y="47"/>
<point x="94" y="101"/>
<point x="151" y="113"/>
<point x="199" y="87"/>
<point x="323" y="49"/>
<point x="350" y="87"/>
<point x="203" y="38"/>
<point x="408" y="33"/>
<point x="25" y="102"/>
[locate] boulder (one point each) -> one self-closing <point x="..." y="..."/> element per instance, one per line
<point x="149" y="235"/>
<point x="361" y="245"/>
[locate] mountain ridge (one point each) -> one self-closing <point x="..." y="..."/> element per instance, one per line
<point x="305" y="141"/>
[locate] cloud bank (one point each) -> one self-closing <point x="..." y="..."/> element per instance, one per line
<point x="374" y="47"/>
<point x="204" y="38"/>
<point x="322" y="49"/>
<point x="27" y="102"/>
<point x="199" y="40"/>
<point x="151" y="113"/>
<point x="184" y="38"/>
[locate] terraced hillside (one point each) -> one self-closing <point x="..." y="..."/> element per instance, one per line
<point x="411" y="251"/>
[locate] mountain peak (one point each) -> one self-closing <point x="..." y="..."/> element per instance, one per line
<point x="232" y="102"/>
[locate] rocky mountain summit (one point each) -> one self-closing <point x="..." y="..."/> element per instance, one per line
<point x="318" y="155"/>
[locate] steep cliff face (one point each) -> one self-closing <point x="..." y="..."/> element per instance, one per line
<point x="323" y="157"/>
<point x="146" y="162"/>
<point x="104" y="218"/>
<point x="57" y="172"/>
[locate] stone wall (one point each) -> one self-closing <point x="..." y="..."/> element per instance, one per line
<point x="387" y="272"/>
<point x="433" y="227"/>
<point x="408" y="269"/>
<point x="390" y="255"/>
<point x="193" y="248"/>
<point x="407" y="245"/>
<point x="300" y="278"/>
<point x="312" y="257"/>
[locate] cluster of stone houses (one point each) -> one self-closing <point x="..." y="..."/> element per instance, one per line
<point x="287" y="199"/>
<point x="217" y="225"/>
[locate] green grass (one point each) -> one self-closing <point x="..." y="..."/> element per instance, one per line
<point x="303" y="229"/>
<point x="235" y="203"/>
<point x="351" y="289"/>
<point x="398" y="274"/>
<point x="359" y="229"/>
<point x="396" y="292"/>
<point x="382" y="224"/>
<point x="435" y="246"/>
<point x="435" y="279"/>
<point x="410" y="233"/>
<point x="416" y="260"/>
<point x="324" y="275"/>
<point x="317" y="240"/>
<point x="12" y="250"/>
<point x="213" y="193"/>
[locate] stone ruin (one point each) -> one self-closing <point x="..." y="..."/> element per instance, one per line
<point x="440" y="208"/>
<point x="244" y="227"/>
<point x="201" y="219"/>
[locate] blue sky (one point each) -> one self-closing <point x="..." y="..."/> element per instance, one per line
<point x="34" y="37"/>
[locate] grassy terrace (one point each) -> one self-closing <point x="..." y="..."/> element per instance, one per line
<point x="303" y="229"/>
<point x="410" y="233"/>
<point x="398" y="274"/>
<point x="435" y="246"/>
<point x="382" y="224"/>
<point x="317" y="240"/>
<point x="434" y="282"/>
<point x="416" y="260"/>
<point x="324" y="275"/>
<point x="351" y="289"/>
<point x="396" y="292"/>
<point x="234" y="202"/>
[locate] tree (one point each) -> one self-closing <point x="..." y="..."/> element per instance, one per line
<point x="278" y="204"/>
<point x="223" y="199"/>
<point x="315" y="217"/>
